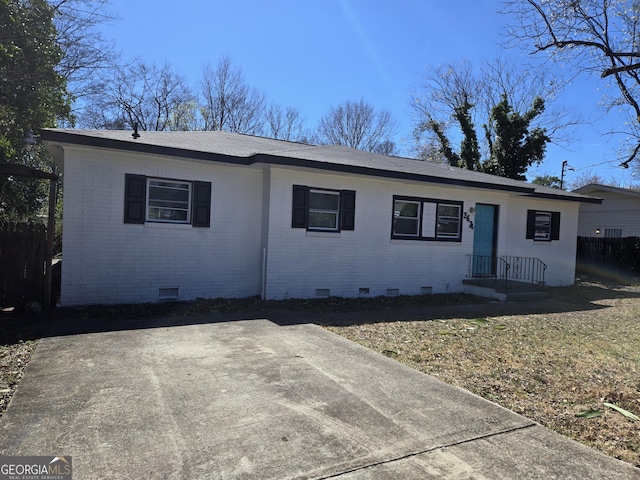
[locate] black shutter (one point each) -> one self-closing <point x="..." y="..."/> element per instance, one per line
<point x="201" y="204"/>
<point x="135" y="192"/>
<point x="347" y="210"/>
<point x="531" y="224"/>
<point x="555" y="225"/>
<point x="300" y="207"/>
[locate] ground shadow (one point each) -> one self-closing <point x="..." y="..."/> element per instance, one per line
<point x="328" y="312"/>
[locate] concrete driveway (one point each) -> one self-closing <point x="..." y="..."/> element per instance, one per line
<point x="250" y="399"/>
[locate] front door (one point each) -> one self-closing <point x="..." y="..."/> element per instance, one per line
<point x="484" y="240"/>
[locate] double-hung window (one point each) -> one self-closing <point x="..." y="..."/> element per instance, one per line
<point x="168" y="201"/>
<point x="543" y="226"/>
<point x="161" y="200"/>
<point x="406" y="218"/>
<point x="324" y="210"/>
<point x="426" y="219"/>
<point x="448" y="220"/>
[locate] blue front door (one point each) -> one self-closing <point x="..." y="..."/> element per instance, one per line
<point x="484" y="240"/>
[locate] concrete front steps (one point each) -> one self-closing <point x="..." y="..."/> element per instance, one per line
<point x="504" y="290"/>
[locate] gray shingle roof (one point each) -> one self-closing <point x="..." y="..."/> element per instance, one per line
<point x="247" y="149"/>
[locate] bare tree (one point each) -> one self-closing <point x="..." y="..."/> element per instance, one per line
<point x="356" y="125"/>
<point x="447" y="101"/>
<point x="588" y="177"/>
<point x="227" y="102"/>
<point x="284" y="123"/>
<point x="455" y="100"/>
<point x="85" y="52"/>
<point x="594" y="36"/>
<point x="154" y="98"/>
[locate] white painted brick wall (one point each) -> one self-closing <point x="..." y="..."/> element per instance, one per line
<point x="300" y="262"/>
<point x="108" y="261"/>
<point x="559" y="255"/>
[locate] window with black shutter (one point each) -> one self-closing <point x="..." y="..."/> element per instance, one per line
<point x="162" y="200"/>
<point x="319" y="209"/>
<point x="543" y="226"/>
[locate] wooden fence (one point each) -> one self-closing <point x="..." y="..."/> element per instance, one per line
<point x="22" y="263"/>
<point x="619" y="255"/>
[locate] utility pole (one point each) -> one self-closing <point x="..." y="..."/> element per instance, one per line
<point x="565" y="165"/>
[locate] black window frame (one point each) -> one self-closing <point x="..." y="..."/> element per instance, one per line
<point x="421" y="201"/>
<point x="301" y="207"/>
<point x="136" y="201"/>
<point x="533" y="225"/>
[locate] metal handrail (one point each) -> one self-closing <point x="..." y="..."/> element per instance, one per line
<point x="507" y="267"/>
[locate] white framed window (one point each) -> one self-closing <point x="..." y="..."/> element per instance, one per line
<point x="406" y="214"/>
<point x="426" y="219"/>
<point x="168" y="201"/>
<point x="448" y="223"/>
<point x="162" y="200"/>
<point x="543" y="226"/>
<point x="324" y="210"/>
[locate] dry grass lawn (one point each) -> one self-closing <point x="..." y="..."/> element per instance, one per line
<point x="548" y="367"/>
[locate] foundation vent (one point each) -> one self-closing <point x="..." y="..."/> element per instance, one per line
<point x="427" y="290"/>
<point x="393" y="292"/>
<point x="323" y="292"/>
<point x="168" y="293"/>
<point x="363" y="291"/>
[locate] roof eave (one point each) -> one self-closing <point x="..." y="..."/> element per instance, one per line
<point x="552" y="196"/>
<point x="63" y="137"/>
<point x="100" y="142"/>
<point x="376" y="172"/>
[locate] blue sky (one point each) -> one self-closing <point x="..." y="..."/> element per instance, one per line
<point x="312" y="54"/>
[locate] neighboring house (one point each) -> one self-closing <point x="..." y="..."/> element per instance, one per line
<point x="618" y="216"/>
<point x="185" y="215"/>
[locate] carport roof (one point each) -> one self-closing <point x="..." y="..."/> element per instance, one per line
<point x="244" y="149"/>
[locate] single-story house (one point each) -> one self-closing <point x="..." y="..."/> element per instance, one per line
<point x="186" y="215"/>
<point x="618" y="216"/>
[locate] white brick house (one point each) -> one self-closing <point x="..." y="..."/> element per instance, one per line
<point x="213" y="214"/>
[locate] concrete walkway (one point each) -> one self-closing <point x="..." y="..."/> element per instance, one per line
<point x="250" y="399"/>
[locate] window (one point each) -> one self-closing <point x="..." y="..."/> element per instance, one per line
<point x="167" y="201"/>
<point x="325" y="210"/>
<point x="406" y="218"/>
<point x="613" y="232"/>
<point x="448" y="221"/>
<point x="543" y="226"/>
<point x="426" y="219"/>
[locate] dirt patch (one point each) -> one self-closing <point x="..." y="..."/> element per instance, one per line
<point x="18" y="340"/>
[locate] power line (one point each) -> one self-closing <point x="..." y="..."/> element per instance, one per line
<point x="596" y="165"/>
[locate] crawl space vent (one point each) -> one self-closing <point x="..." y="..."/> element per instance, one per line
<point x="323" y="292"/>
<point x="168" y="293"/>
<point x="393" y="292"/>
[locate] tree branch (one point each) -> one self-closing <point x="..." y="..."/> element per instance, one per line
<point x="623" y="68"/>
